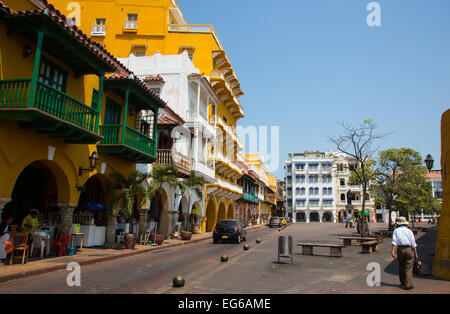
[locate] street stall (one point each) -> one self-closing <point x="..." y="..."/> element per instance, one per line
<point x="91" y="218"/>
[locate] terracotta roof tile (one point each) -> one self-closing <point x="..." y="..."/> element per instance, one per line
<point x="127" y="75"/>
<point x="167" y="120"/>
<point x="157" y="78"/>
<point x="435" y="174"/>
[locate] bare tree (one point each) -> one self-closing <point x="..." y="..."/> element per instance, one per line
<point x="359" y="142"/>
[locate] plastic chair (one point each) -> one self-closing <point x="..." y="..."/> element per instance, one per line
<point x="20" y="244"/>
<point x="60" y="244"/>
<point x="41" y="242"/>
<point x="120" y="236"/>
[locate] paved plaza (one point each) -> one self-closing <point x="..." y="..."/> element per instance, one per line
<point x="255" y="271"/>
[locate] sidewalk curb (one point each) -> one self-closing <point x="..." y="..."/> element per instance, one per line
<point x="44" y="270"/>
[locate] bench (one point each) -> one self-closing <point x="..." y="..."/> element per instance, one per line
<point x="348" y="240"/>
<point x="369" y="246"/>
<point x="335" y="249"/>
<point x="385" y="234"/>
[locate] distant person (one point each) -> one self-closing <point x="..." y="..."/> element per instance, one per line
<point x="346" y="222"/>
<point x="7" y="220"/>
<point x="404" y="249"/>
<point x="429" y="220"/>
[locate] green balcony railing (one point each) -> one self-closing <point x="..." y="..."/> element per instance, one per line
<point x="14" y="94"/>
<point x="250" y="197"/>
<point x="113" y="133"/>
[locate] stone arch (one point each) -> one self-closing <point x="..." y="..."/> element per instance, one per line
<point x="230" y="211"/>
<point x="102" y="182"/>
<point x="39" y="185"/>
<point x="211" y="216"/>
<point x="222" y="212"/>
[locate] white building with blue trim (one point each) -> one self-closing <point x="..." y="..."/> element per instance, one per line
<point x="310" y="187"/>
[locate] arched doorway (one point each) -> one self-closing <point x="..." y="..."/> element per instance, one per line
<point x="327" y="216"/>
<point x="93" y="202"/>
<point x="183" y="213"/>
<point x="230" y="212"/>
<point x="210" y="216"/>
<point x="314" y="217"/>
<point x="222" y="214"/>
<point x="157" y="207"/>
<point x="36" y="187"/>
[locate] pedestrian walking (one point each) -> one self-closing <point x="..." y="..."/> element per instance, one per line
<point x="346" y="222"/>
<point x="404" y="249"/>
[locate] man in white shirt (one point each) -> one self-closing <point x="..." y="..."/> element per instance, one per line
<point x="403" y="240"/>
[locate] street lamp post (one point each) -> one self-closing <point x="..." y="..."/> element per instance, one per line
<point x="429" y="162"/>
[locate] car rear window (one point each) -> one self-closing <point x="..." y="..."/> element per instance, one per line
<point x="226" y="223"/>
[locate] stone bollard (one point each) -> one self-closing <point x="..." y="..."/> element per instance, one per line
<point x="178" y="281"/>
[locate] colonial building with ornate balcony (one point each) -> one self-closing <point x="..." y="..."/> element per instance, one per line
<point x="70" y="113"/>
<point x="186" y="138"/>
<point x="143" y="30"/>
<point x="349" y="195"/>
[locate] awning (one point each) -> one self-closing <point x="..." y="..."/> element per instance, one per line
<point x="95" y="206"/>
<point x="301" y="199"/>
<point x="315" y="199"/>
<point x="313" y="164"/>
<point x="327" y="164"/>
<point x="300" y="164"/>
<point x="328" y="199"/>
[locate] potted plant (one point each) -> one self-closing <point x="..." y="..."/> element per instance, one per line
<point x="186" y="235"/>
<point x="122" y="205"/>
<point x="157" y="238"/>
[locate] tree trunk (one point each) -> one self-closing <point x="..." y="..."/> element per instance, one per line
<point x="390" y="225"/>
<point x="110" y="231"/>
<point x="142" y="222"/>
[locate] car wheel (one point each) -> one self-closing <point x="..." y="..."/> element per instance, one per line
<point x="215" y="241"/>
<point x="238" y="239"/>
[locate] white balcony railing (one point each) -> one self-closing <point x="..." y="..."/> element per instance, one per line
<point x="130" y="25"/>
<point x="232" y="164"/>
<point x="199" y="118"/>
<point x="354" y="188"/>
<point x="98" y="30"/>
<point x="194" y="28"/>
<point x="204" y="169"/>
<point x="233" y="187"/>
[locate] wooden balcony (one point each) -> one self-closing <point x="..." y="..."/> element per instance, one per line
<point x="249" y="197"/>
<point x="127" y="144"/>
<point x="164" y="157"/>
<point x="50" y="111"/>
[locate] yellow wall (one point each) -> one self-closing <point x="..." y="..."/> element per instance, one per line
<point x="20" y="147"/>
<point x="441" y="265"/>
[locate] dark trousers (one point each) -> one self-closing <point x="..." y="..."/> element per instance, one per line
<point x="405" y="257"/>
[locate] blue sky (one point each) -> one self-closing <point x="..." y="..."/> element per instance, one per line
<point x="305" y="65"/>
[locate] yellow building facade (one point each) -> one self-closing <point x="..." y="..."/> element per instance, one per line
<point x="58" y="100"/>
<point x="441" y="265"/>
<point x="144" y="27"/>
